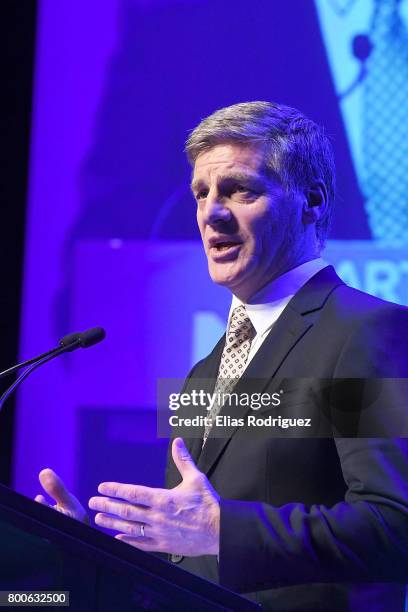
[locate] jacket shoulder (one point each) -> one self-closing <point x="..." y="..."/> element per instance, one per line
<point x="354" y="304"/>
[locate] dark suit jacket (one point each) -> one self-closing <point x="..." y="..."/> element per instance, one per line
<point x="317" y="523"/>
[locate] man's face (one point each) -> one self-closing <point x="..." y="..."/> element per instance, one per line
<point x="250" y="227"/>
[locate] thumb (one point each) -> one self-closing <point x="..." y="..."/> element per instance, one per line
<point x="55" y="488"/>
<point x="182" y="459"/>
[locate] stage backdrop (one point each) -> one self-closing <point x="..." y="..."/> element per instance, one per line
<point x="111" y="235"/>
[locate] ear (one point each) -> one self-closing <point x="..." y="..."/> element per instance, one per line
<point x="315" y="202"/>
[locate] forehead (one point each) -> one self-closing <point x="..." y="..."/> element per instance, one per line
<point x="227" y="158"/>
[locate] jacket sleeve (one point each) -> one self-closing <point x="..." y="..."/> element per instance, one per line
<point x="363" y="538"/>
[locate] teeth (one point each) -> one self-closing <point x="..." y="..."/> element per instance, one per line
<point x="225" y="245"/>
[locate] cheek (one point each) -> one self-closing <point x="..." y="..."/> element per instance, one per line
<point x="264" y="235"/>
<point x="200" y="223"/>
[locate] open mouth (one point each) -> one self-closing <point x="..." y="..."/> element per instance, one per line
<point x="225" y="250"/>
<point x="224" y="246"/>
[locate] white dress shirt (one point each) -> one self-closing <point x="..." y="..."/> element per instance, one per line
<point x="268" y="304"/>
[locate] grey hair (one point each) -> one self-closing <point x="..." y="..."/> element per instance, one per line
<point x="297" y="150"/>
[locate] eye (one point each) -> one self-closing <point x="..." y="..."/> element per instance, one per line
<point x="201" y="194"/>
<point x="243" y="190"/>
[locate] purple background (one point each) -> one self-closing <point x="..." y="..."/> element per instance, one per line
<point x="111" y="236"/>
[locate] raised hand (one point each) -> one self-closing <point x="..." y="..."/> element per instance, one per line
<point x="66" y="503"/>
<point x="184" y="520"/>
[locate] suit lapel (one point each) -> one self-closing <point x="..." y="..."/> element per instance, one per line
<point x="291" y="326"/>
<point x="207" y="370"/>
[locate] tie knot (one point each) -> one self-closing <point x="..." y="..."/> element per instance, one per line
<point x="240" y="323"/>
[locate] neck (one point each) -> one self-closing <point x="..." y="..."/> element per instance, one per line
<point x="247" y="294"/>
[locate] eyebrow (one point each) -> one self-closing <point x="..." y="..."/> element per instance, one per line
<point x="234" y="176"/>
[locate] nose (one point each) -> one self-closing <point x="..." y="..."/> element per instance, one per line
<point x="215" y="211"/>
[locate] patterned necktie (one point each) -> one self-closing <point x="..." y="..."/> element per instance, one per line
<point x="234" y="357"/>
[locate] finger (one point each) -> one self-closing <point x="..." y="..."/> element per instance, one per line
<point x="135" y="494"/>
<point x="41" y="500"/>
<point x="121" y="509"/>
<point x="131" y="528"/>
<point x="183" y="459"/>
<point x="55" y="488"/>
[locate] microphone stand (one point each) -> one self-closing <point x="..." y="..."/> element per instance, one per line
<point x="33" y="365"/>
<point x="68" y="343"/>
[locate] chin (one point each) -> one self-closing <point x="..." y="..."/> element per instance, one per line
<point x="231" y="283"/>
<point x="219" y="279"/>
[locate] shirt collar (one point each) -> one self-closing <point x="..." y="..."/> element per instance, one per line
<point x="268" y="303"/>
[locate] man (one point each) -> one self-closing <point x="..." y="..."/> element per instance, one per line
<point x="300" y="524"/>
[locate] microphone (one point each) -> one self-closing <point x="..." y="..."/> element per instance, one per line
<point x="68" y="343"/>
<point x="84" y="340"/>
